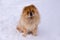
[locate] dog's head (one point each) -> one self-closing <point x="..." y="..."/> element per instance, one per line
<point x="30" y="11"/>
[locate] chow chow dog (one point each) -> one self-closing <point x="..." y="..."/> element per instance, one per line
<point x="29" y="20"/>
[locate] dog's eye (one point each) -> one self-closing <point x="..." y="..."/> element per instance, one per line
<point x="33" y="11"/>
<point x="27" y="12"/>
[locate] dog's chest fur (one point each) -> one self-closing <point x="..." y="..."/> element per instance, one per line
<point x="28" y="24"/>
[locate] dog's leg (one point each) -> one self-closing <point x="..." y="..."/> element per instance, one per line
<point x="19" y="28"/>
<point x="34" y="32"/>
<point x="24" y="32"/>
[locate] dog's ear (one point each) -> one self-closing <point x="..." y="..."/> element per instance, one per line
<point x="24" y="9"/>
<point x="33" y="6"/>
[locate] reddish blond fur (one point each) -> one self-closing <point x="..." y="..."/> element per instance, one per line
<point x="26" y="24"/>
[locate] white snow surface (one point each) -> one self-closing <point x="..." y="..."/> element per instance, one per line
<point x="48" y="29"/>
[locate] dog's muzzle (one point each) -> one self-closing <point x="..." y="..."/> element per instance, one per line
<point x="31" y="14"/>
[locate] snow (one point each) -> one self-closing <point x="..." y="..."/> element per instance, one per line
<point x="48" y="29"/>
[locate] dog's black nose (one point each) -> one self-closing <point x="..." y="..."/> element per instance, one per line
<point x="31" y="14"/>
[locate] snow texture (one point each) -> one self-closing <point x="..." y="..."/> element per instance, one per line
<point x="48" y="29"/>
